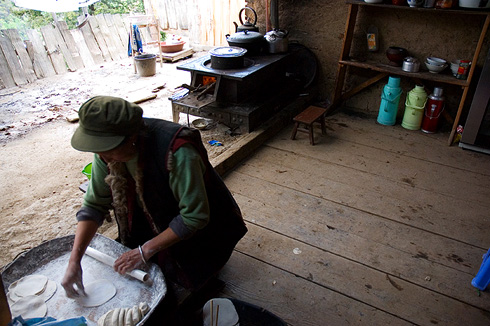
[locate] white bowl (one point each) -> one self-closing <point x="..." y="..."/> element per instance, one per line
<point x="474" y="4"/>
<point x="435" y="68"/>
<point x="436" y="61"/>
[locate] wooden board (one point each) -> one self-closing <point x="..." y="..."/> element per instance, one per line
<point x="295" y="299"/>
<point x="12" y="61"/>
<point x="118" y="42"/>
<point x="172" y="57"/>
<point x="70" y="44"/>
<point x="41" y="62"/>
<point x="20" y="49"/>
<point x="5" y="74"/>
<point x="371" y="286"/>
<point x="108" y="37"/>
<point x="53" y="50"/>
<point x="123" y="31"/>
<point x="91" y="42"/>
<point x="61" y="44"/>
<point x="99" y="37"/>
<point x="85" y="55"/>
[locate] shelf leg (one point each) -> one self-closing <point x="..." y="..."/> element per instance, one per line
<point x="458" y="115"/>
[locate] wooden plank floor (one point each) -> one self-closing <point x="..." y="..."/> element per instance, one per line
<point x="374" y="225"/>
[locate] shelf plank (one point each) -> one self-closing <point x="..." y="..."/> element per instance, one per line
<point x="376" y="66"/>
<point x="458" y="11"/>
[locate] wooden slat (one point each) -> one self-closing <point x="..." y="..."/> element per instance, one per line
<point x="53" y="50"/>
<point x="30" y="53"/>
<point x="70" y="61"/>
<point x="123" y="31"/>
<point x="118" y="42"/>
<point x="294" y="299"/>
<point x="92" y="44"/>
<point x="70" y="44"/>
<point x="20" y="48"/>
<point x="42" y="63"/>
<point x="108" y="37"/>
<point x="86" y="56"/>
<point x="13" y="63"/>
<point x="94" y="27"/>
<point x="5" y="74"/>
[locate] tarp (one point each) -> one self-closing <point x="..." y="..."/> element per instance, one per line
<point x="53" y="5"/>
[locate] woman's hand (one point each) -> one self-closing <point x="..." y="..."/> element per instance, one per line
<point x="128" y="261"/>
<point x="72" y="281"/>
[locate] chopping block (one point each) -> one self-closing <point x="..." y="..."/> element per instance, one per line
<point x="307" y="118"/>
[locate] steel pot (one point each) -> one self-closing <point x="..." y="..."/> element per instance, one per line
<point x="410" y="64"/>
<point x="227" y="57"/>
<point x="277" y="41"/>
<point x="249" y="40"/>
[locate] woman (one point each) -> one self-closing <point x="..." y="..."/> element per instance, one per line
<point x="169" y="203"/>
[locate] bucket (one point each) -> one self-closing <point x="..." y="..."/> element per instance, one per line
<point x="390" y="98"/>
<point x="414" y="108"/>
<point x="87" y="171"/>
<point x="146" y="64"/>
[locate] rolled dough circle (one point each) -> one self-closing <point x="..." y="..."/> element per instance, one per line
<point x="49" y="291"/>
<point x="31" y="306"/>
<point x="28" y="285"/>
<point x="98" y="293"/>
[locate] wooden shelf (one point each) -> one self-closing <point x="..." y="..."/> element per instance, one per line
<point x="442" y="77"/>
<point x="384" y="70"/>
<point x="390" y="6"/>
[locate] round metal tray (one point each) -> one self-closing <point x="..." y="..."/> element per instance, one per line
<point x="51" y="258"/>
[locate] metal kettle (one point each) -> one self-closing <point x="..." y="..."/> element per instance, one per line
<point x="277" y="41"/>
<point x="249" y="24"/>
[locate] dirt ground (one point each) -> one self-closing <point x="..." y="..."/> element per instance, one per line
<point x="41" y="173"/>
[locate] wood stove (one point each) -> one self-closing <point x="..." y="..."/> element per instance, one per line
<point x="244" y="97"/>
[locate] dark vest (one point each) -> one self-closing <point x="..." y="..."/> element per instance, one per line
<point x="202" y="255"/>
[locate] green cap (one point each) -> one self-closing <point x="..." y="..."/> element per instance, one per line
<point x="105" y="121"/>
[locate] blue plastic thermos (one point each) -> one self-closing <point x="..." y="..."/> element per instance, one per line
<point x="390" y="98"/>
<point x="482" y="278"/>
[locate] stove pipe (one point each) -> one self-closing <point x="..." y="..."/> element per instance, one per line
<point x="274" y="13"/>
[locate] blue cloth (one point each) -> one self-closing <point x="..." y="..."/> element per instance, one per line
<point x="137" y="43"/>
<point x="48" y="321"/>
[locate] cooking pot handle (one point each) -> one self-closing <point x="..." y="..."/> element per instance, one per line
<point x="240" y="15"/>
<point x="227" y="36"/>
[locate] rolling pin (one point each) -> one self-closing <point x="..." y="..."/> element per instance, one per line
<point x="108" y="260"/>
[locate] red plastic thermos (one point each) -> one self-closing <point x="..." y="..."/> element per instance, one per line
<point x="433" y="110"/>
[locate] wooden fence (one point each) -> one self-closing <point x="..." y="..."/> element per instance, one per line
<point x="56" y="50"/>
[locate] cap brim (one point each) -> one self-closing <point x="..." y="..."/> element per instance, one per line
<point x="87" y="143"/>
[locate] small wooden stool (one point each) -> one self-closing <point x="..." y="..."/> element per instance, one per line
<point x="309" y="116"/>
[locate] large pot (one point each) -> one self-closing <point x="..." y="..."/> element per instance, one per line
<point x="249" y="40"/>
<point x="227" y="57"/>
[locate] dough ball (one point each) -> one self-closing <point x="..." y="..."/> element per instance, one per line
<point x="124" y="316"/>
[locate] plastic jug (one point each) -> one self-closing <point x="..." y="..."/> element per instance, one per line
<point x="390" y="99"/>
<point x="414" y="108"/>
<point x="482" y="278"/>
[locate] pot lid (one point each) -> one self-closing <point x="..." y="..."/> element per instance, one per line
<point x="228" y="51"/>
<point x="245" y="36"/>
<point x="279" y="33"/>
